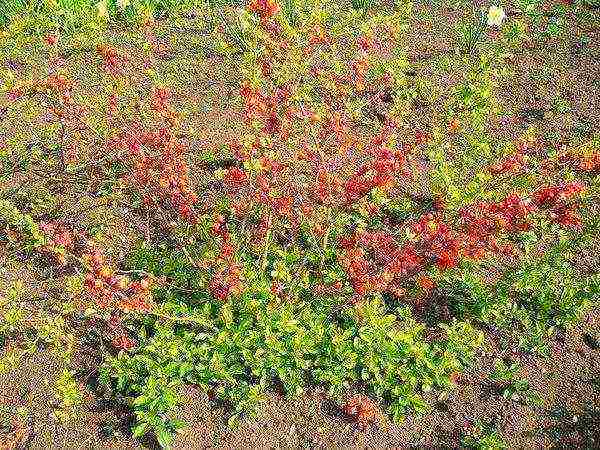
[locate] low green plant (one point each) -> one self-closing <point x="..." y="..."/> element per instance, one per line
<point x="484" y="436"/>
<point x="22" y="224"/>
<point x="239" y="349"/>
<point x="68" y="396"/>
<point x="534" y="298"/>
<point x="471" y="33"/>
<point x="362" y="4"/>
<point x="513" y="388"/>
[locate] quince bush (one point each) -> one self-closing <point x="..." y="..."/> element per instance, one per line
<point x="329" y="225"/>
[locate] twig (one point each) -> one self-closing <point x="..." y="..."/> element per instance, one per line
<point x="183" y="319"/>
<point x="263" y="264"/>
<point x="192" y="262"/>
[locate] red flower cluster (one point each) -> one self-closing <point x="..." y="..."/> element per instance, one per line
<point x="511" y="164"/>
<point x="329" y="187"/>
<point x="264" y="8"/>
<point x="437" y="242"/>
<point x="264" y="108"/>
<point x="219" y="228"/>
<point x="283" y="205"/>
<point x="381" y="172"/>
<point x="50" y="39"/>
<point x="555" y="200"/>
<point x="123" y="342"/>
<point x="161" y="97"/>
<point x="396" y="262"/>
<point x="550" y="196"/>
<point x="59" y="240"/>
<point x="357" y="270"/>
<point x="112" y="60"/>
<point x="115" y="291"/>
<point x="226" y="282"/>
<point x="425" y="282"/>
<point x="590" y="163"/>
<point x="481" y="223"/>
<point x="59" y="83"/>
<point x="227" y="279"/>
<point x="235" y="176"/>
<point x="159" y="170"/>
<point x="361" y="410"/>
<point x="511" y="213"/>
<point x="120" y="337"/>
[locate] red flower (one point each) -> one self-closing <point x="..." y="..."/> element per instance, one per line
<point x="219" y="226"/>
<point x="590" y="163"/>
<point x="50" y="39"/>
<point x="453" y="125"/>
<point x="273" y="124"/>
<point x="283" y="205"/>
<point x="235" y="176"/>
<point x="422" y="137"/>
<point x="361" y="409"/>
<point x="446" y="260"/>
<point x="364" y="43"/>
<point x="160" y="99"/>
<point x="276" y="288"/>
<point x="565" y="216"/>
<point x="14" y="94"/>
<point x="425" y="282"/>
<point x="548" y="196"/>
<point x="113" y="62"/>
<point x="226" y="282"/>
<point x="123" y="342"/>
<point x="511" y="164"/>
<point x="264" y="8"/>
<point x="226" y="252"/>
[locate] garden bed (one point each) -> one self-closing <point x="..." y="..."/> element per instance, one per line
<point x="300" y="224"/>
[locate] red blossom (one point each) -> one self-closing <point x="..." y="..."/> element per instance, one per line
<point x="113" y="61"/>
<point x="226" y="282"/>
<point x="14" y="94"/>
<point x="124" y="342"/>
<point x="551" y="195"/>
<point x="362" y="410"/>
<point x="425" y="283"/>
<point x="235" y="176"/>
<point x="114" y="291"/>
<point x="590" y="163"/>
<point x="160" y="171"/>
<point x="264" y="8"/>
<point x="510" y="164"/>
<point x="51" y="39"/>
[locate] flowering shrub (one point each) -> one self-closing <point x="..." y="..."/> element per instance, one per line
<point x="329" y="241"/>
<point x="112" y="290"/>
